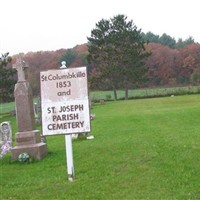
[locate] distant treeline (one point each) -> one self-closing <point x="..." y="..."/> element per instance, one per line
<point x="171" y="63"/>
<point x="167" y="40"/>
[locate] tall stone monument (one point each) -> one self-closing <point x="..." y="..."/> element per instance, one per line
<point x="27" y="138"/>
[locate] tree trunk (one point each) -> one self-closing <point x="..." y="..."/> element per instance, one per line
<point x="126" y="88"/>
<point x="126" y="92"/>
<point x="115" y="92"/>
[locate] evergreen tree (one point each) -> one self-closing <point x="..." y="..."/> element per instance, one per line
<point x="150" y="37"/>
<point x="117" y="52"/>
<point x="69" y="56"/>
<point x="167" y="40"/>
<point x="7" y="81"/>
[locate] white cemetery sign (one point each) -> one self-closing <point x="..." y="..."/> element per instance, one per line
<point x="64" y="101"/>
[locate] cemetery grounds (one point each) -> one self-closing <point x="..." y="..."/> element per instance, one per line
<point x="142" y="149"/>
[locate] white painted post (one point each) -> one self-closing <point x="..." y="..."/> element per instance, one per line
<point x="68" y="147"/>
<point x="69" y="156"/>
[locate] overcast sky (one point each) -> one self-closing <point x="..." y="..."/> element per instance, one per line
<point x="40" y="25"/>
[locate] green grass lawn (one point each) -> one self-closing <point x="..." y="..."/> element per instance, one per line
<point x="143" y="149"/>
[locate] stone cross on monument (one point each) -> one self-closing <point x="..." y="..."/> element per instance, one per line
<point x="20" y="67"/>
<point x="27" y="138"/>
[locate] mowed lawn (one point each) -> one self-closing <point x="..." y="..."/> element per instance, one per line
<point x="143" y="149"/>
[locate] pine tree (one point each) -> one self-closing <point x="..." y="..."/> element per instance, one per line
<point x="7" y="81"/>
<point x="117" y="52"/>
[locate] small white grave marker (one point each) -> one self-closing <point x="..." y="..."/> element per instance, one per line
<point x="5" y="132"/>
<point x="5" y="138"/>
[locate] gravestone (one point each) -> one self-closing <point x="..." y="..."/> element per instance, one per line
<point x="27" y="138"/>
<point x="5" y="132"/>
<point x="36" y="113"/>
<point x="5" y="138"/>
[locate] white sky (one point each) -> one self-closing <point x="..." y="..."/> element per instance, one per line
<point x="40" y="25"/>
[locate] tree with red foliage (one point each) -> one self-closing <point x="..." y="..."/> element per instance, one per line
<point x="190" y="62"/>
<point x="161" y="64"/>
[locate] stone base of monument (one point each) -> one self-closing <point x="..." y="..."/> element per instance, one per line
<point x="29" y="142"/>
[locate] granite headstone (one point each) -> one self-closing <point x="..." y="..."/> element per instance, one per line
<point x="27" y="138"/>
